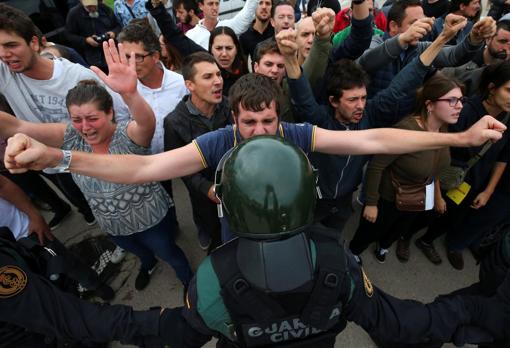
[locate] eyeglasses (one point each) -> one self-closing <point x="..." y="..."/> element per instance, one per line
<point x="139" y="58"/>
<point x="453" y="101"/>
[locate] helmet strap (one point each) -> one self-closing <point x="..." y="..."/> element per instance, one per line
<point x="265" y="264"/>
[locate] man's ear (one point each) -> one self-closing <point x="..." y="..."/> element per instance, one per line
<point x="189" y="85"/>
<point x="234" y="119"/>
<point x="256" y="67"/>
<point x="333" y="101"/>
<point x="34" y="44"/>
<point x="393" y="28"/>
<point x="272" y="22"/>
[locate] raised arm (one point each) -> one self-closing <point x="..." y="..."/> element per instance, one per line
<point x="171" y="32"/>
<point x="242" y="20"/>
<point x="122" y="79"/>
<point x="25" y="153"/>
<point x="398" y="141"/>
<point x="51" y="134"/>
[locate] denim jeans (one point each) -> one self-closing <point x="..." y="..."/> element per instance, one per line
<point x="159" y="241"/>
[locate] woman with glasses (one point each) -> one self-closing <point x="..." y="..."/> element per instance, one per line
<point x="493" y="98"/>
<point x="137" y="217"/>
<point x="384" y="220"/>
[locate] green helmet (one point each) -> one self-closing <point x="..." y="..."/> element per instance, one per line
<point x="267" y="188"/>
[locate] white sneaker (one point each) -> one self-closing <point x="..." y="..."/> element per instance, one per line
<point x="118" y="255"/>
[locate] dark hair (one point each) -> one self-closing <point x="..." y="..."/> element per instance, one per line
<point x="345" y="74"/>
<point x="14" y="21"/>
<point x="173" y="60"/>
<point x="265" y="47"/>
<point x="90" y="91"/>
<point x="433" y="89"/>
<point x="494" y="76"/>
<point x="254" y="92"/>
<point x="503" y="25"/>
<point x="188" y="5"/>
<point x="62" y="50"/>
<point x="188" y="64"/>
<point x="455" y="5"/>
<point x="280" y="3"/>
<point x="239" y="64"/>
<point x="140" y="32"/>
<point x="397" y="12"/>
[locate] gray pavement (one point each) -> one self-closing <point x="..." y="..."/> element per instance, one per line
<point x="418" y="279"/>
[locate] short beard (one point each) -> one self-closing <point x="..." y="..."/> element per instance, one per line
<point x="502" y="55"/>
<point x="262" y="20"/>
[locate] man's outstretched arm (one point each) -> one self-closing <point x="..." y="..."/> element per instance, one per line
<point x="399" y="141"/>
<point x="24" y="153"/>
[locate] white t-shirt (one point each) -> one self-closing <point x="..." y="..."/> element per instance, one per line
<point x="163" y="100"/>
<point x="43" y="101"/>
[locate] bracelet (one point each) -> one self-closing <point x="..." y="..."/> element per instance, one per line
<point x="63" y="166"/>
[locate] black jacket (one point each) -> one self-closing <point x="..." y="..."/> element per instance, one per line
<point x="181" y="127"/>
<point x="79" y="26"/>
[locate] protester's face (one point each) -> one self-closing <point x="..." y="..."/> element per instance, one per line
<point x="207" y="84"/>
<point x="499" y="45"/>
<point x="149" y="63"/>
<point x="94" y="125"/>
<point x="412" y="14"/>
<point x="263" y="12"/>
<point x="17" y="55"/>
<point x="283" y="18"/>
<point x="183" y="15"/>
<point x="252" y="123"/>
<point x="305" y="34"/>
<point x="271" y="65"/>
<point x="210" y="8"/>
<point x="443" y="111"/>
<point x="350" y="106"/>
<point x="224" y="51"/>
<point x="501" y="96"/>
<point x="470" y="10"/>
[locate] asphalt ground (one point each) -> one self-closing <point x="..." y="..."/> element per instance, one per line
<point x="418" y="279"/>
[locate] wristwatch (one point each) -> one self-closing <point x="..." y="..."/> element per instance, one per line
<point x="63" y="166"/>
<point x="357" y="2"/>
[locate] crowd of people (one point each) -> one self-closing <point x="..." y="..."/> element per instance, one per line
<point x="400" y="108"/>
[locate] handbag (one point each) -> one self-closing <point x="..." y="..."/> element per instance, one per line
<point x="452" y="176"/>
<point x="410" y="197"/>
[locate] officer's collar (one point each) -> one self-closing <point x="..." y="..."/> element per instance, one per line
<point x="266" y="264"/>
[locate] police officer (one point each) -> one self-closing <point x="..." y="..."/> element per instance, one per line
<point x="290" y="283"/>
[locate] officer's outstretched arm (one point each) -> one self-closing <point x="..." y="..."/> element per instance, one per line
<point x="30" y="301"/>
<point x="399" y="141"/>
<point x="447" y="319"/>
<point x="25" y="153"/>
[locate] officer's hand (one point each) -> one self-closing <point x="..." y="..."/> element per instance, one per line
<point x="39" y="226"/>
<point x="370" y="213"/>
<point x="323" y="20"/>
<point x="286" y="40"/>
<point x="452" y="25"/>
<point x="211" y="194"/>
<point x="487" y="128"/>
<point x="23" y="153"/>
<point x="416" y="32"/>
<point x="482" y="30"/>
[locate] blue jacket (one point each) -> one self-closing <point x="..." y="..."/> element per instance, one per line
<point x="341" y="175"/>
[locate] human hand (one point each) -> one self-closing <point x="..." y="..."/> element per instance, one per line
<point x="211" y="194"/>
<point x="156" y="3"/>
<point x="39" y="226"/>
<point x="121" y="76"/>
<point x="370" y="213"/>
<point x="416" y="32"/>
<point x="481" y="200"/>
<point x="482" y="30"/>
<point x="24" y="153"/>
<point x="452" y="25"/>
<point x="111" y="34"/>
<point x="487" y="128"/>
<point x="91" y="41"/>
<point x="440" y="205"/>
<point x="286" y="40"/>
<point x="323" y="20"/>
